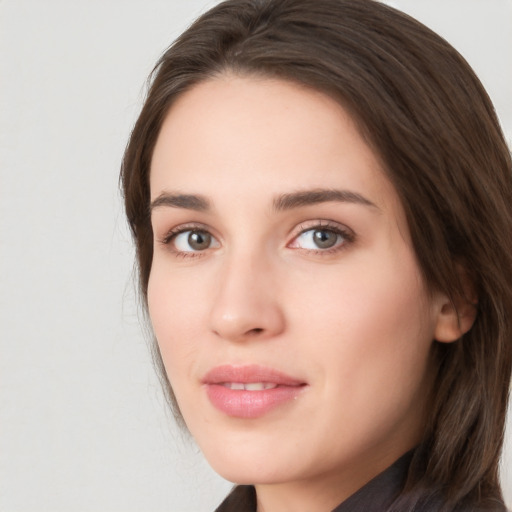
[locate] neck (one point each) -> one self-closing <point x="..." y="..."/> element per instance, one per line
<point x="325" y="492"/>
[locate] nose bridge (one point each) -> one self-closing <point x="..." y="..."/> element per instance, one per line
<point x="246" y="303"/>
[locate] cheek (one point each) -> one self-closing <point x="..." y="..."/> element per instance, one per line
<point x="370" y="356"/>
<point x="174" y="308"/>
<point x="371" y="299"/>
<point x="372" y="326"/>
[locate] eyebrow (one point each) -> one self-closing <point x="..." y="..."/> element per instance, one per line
<point x="316" y="196"/>
<point x="186" y="201"/>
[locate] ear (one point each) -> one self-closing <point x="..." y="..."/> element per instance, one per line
<point x="455" y="318"/>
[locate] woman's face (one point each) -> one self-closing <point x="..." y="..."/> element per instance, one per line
<point x="284" y="293"/>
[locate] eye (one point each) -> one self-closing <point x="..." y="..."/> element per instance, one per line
<point x="192" y="240"/>
<point x="317" y="239"/>
<point x="321" y="238"/>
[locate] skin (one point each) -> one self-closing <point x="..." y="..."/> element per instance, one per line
<point x="354" y="322"/>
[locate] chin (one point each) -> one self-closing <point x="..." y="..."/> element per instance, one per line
<point x="249" y="460"/>
<point x="246" y="472"/>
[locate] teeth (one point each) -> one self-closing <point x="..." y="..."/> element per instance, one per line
<point x="250" y="386"/>
<point x="258" y="386"/>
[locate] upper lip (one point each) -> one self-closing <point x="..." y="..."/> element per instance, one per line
<point x="249" y="373"/>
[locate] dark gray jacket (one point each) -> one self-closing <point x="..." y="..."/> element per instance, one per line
<point x="377" y="495"/>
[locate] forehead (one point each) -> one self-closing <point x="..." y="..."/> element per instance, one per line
<point x="238" y="136"/>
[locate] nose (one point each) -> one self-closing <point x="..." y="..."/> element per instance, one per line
<point x="246" y="305"/>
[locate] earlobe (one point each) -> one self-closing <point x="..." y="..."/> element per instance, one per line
<point x="454" y="320"/>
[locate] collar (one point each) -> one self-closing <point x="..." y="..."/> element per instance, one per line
<point x="375" y="496"/>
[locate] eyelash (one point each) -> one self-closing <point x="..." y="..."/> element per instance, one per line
<point x="347" y="235"/>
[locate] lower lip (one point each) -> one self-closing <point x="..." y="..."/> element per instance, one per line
<point x="250" y="404"/>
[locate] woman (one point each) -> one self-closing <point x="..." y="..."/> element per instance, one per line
<point x="320" y="197"/>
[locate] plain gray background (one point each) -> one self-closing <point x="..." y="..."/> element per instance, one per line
<point x="83" y="426"/>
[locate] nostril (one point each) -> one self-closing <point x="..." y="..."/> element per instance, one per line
<point x="255" y="331"/>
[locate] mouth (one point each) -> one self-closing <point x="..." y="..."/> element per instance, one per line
<point x="250" y="391"/>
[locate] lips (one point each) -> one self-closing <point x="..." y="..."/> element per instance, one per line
<point x="250" y="391"/>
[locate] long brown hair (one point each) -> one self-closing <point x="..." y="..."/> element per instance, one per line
<point x="424" y="112"/>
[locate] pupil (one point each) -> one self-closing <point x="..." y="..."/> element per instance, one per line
<point x="199" y="240"/>
<point x="324" y="239"/>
